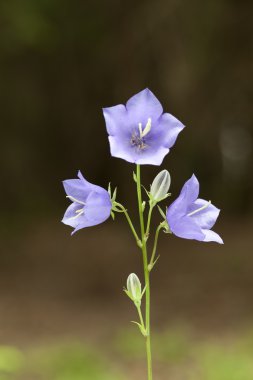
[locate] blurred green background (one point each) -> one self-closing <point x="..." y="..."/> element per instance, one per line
<point x="63" y="315"/>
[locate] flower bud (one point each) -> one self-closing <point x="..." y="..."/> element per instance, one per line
<point x="133" y="289"/>
<point x="160" y="186"/>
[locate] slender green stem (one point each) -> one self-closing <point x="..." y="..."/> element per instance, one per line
<point x="124" y="210"/>
<point x="140" y="316"/>
<point x="151" y="264"/>
<point x="146" y="274"/>
<point x="151" y="206"/>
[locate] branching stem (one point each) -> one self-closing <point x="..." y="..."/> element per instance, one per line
<point x="124" y="210"/>
<point x="153" y="260"/>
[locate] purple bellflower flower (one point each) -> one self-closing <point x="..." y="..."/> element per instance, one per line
<point x="91" y="203"/>
<point x="190" y="217"/>
<point x="140" y="132"/>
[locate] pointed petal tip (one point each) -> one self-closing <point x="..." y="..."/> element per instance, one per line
<point x="180" y="128"/>
<point x="193" y="177"/>
<point x="194" y="182"/>
<point x="75" y="230"/>
<point x="219" y="241"/>
<point x="146" y="89"/>
<point x="105" y="109"/>
<point x="80" y="176"/>
<point x="113" y="113"/>
<point x="211" y="236"/>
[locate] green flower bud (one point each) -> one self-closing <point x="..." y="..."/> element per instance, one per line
<point x="160" y="186"/>
<point x="133" y="289"/>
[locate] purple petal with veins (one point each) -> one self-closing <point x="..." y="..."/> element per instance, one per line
<point x="139" y="132"/>
<point x="91" y="204"/>
<point x="190" y="217"/>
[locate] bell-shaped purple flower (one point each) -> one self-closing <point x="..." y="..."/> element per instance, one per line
<point x="140" y="132"/>
<point x="91" y="204"/>
<point x="190" y="217"/>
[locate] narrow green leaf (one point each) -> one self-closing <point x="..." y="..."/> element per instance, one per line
<point x="161" y="212"/>
<point x="114" y="194"/>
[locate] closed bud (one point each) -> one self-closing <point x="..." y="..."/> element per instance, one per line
<point x="133" y="289"/>
<point x="160" y="186"/>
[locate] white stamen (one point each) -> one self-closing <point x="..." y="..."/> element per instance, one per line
<point x="75" y="200"/>
<point x="79" y="212"/>
<point x="147" y="128"/>
<point x="140" y="129"/>
<point x="199" y="209"/>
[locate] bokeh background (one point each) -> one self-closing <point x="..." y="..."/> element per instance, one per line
<point x="63" y="315"/>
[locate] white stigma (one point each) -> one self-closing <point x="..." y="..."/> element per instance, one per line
<point x="199" y="209"/>
<point x="147" y="128"/>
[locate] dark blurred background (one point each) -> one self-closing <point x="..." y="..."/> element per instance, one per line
<point x="60" y="63"/>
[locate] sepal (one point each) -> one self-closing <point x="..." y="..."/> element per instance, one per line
<point x="164" y="224"/>
<point x="115" y="204"/>
<point x="142" y="328"/>
<point x="162" y="213"/>
<point x="166" y="227"/>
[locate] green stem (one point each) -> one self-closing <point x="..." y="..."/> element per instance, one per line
<point x="151" y="264"/>
<point x="140" y="316"/>
<point x="149" y="218"/>
<point x="124" y="210"/>
<point x="146" y="274"/>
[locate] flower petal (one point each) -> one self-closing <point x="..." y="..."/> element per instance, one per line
<point x="98" y="207"/>
<point x="176" y="210"/>
<point x="96" y="211"/>
<point x="186" y="228"/>
<point x="116" y="120"/>
<point x="89" y="185"/>
<point x="121" y="148"/>
<point x="169" y="127"/>
<point x="83" y="224"/>
<point x="152" y="157"/>
<point x="142" y="106"/>
<point x="70" y="218"/>
<point x="212" y="236"/>
<point x="188" y="194"/>
<point x="205" y="218"/>
<point x="190" y="190"/>
<point x="79" y="188"/>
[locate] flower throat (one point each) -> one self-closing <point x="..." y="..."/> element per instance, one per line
<point x="138" y="140"/>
